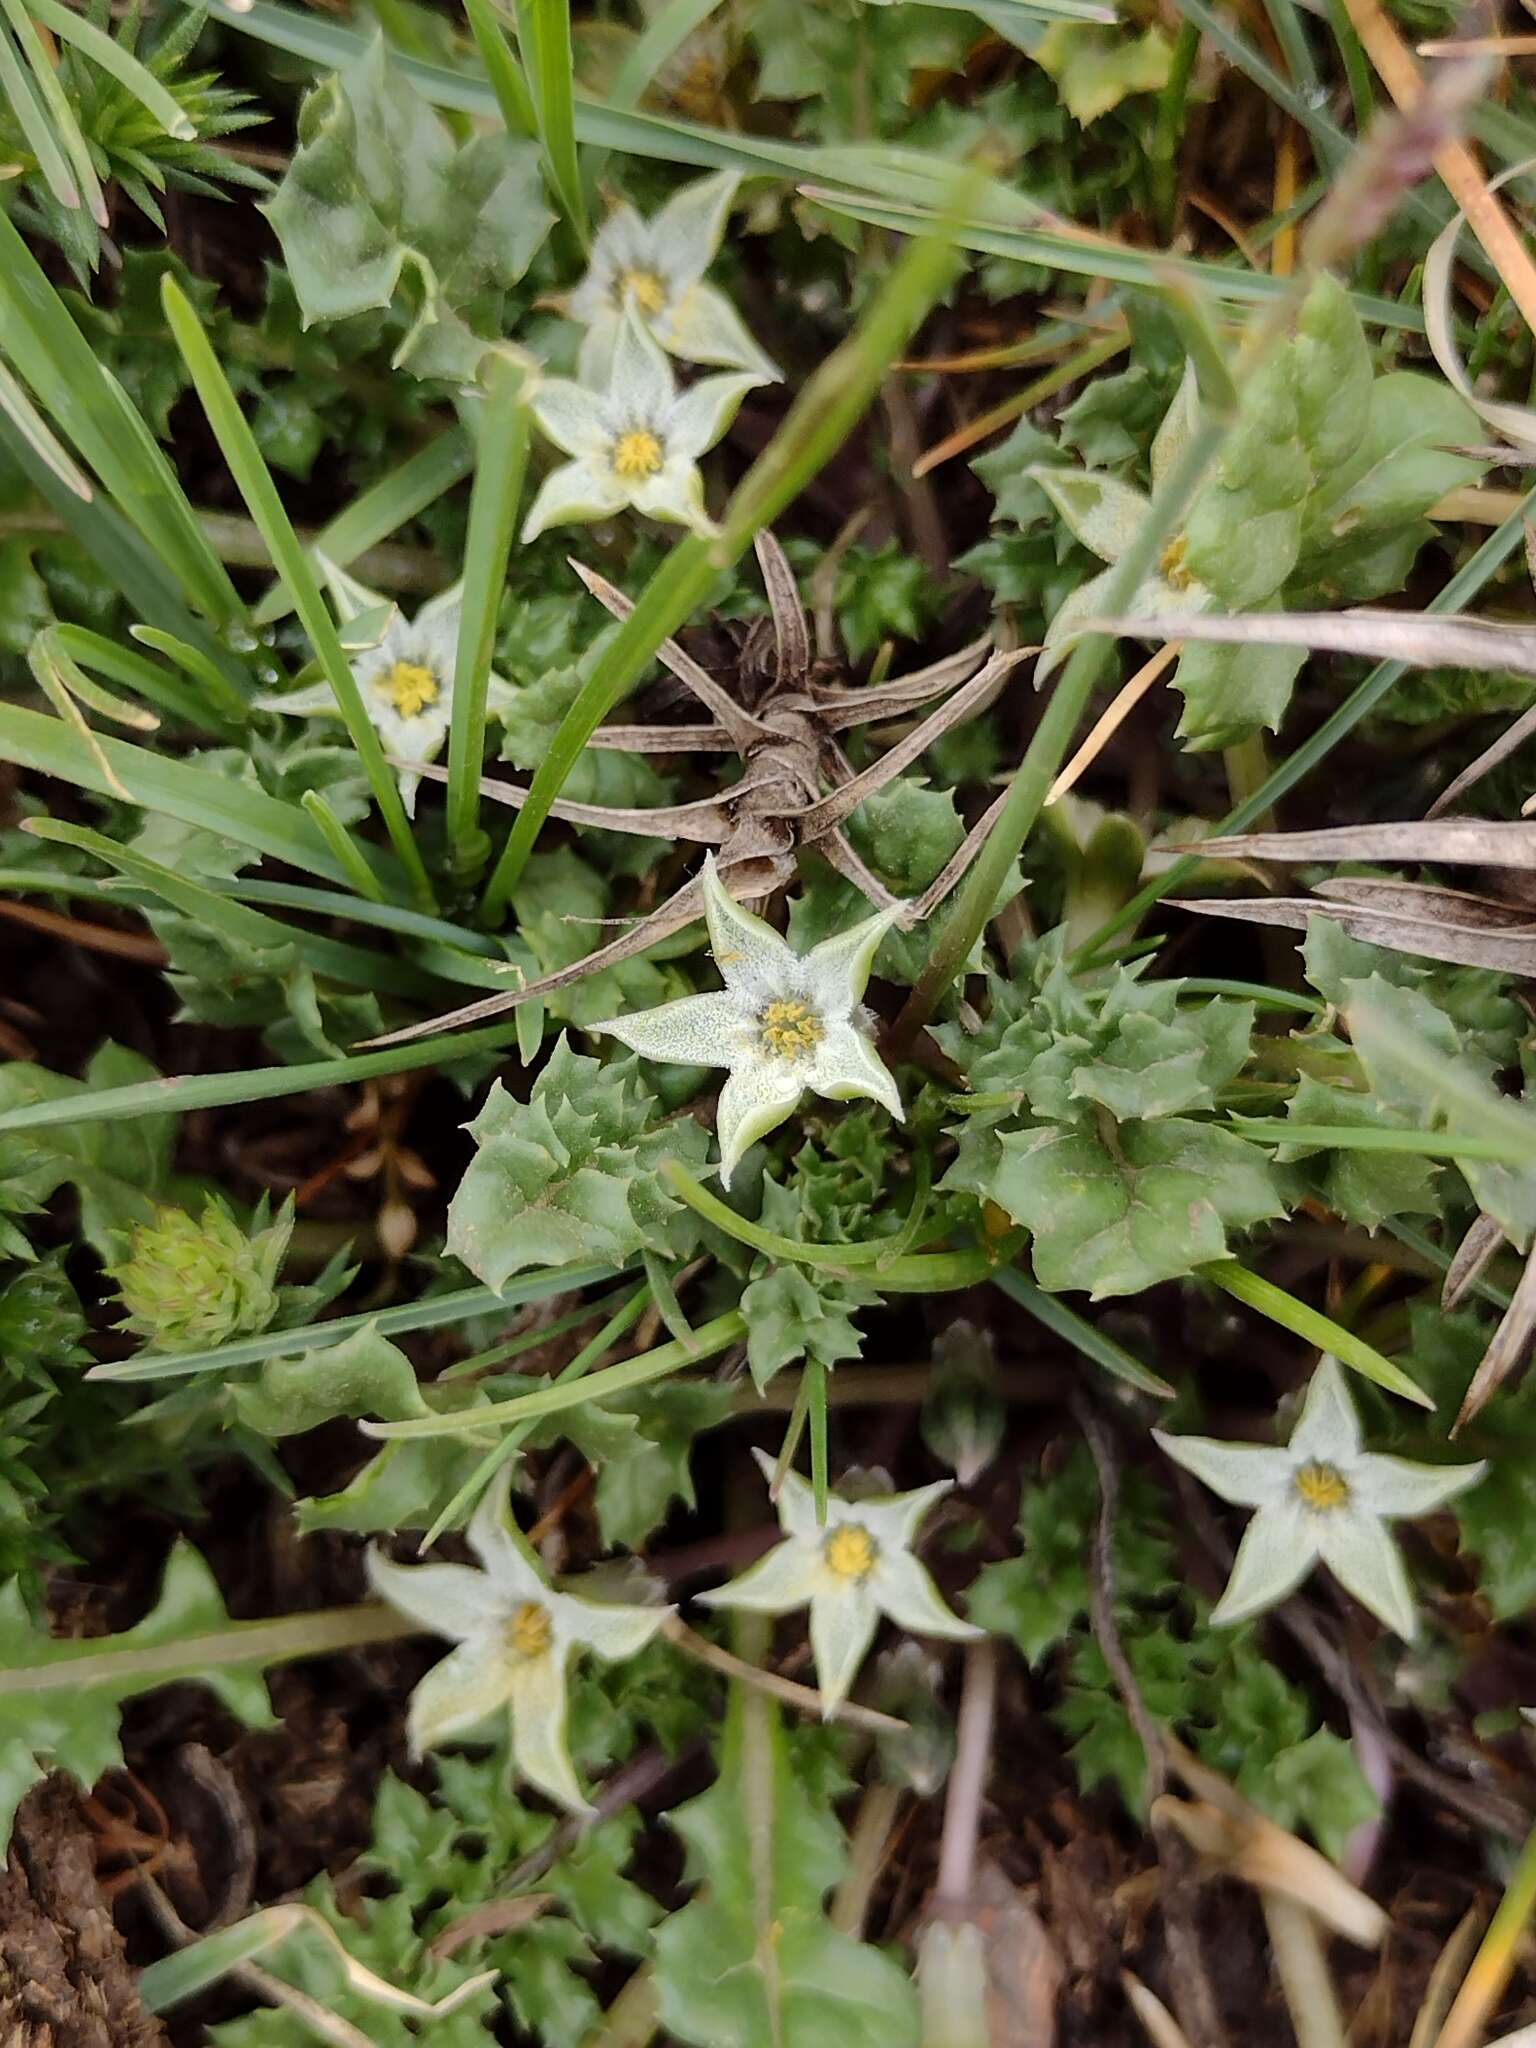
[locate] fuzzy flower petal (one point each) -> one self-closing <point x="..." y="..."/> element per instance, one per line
<point x="906" y="1592"/>
<point x="539" y="1751"/>
<point x="1366" y="1562"/>
<point x="448" y="1599"/>
<point x="1273" y="1558"/>
<point x="690" y="1032"/>
<point x="455" y="1697"/>
<point x="1320" y="1496"/>
<point x="842" y="1627"/>
<point x="755" y="1100"/>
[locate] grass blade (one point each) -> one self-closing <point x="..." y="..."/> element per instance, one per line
<point x="1083" y="1336"/>
<point x="179" y="1094"/>
<point x="238" y="446"/>
<point x="118" y="63"/>
<point x="507" y="83"/>
<point x="1312" y="1326"/>
<point x="544" y="36"/>
<point x="159" y="782"/>
<point x="438" y="1312"/>
<point x="91" y="408"/>
<point x="500" y="461"/>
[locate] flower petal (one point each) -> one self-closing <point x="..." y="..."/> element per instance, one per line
<point x="449" y="1599"/>
<point x="906" y="1592"/>
<point x="349" y="598"/>
<point x="615" y="248"/>
<point x="748" y="951"/>
<point x="608" y="1627"/>
<point x="574" y="491"/>
<point x="457" y="1695"/>
<point x="1249" y="1475"/>
<point x="844" y="1617"/>
<point x="676" y="494"/>
<point x="539" y="1749"/>
<point x="1397" y="1486"/>
<point x="895" y="1518"/>
<point x="317" y="701"/>
<point x="705" y="410"/>
<point x="755" y="1100"/>
<point x="642" y="387"/>
<point x="507" y="1565"/>
<point x="1366" y="1562"/>
<point x="571" y="415"/>
<point x="1104" y="514"/>
<point x="1178" y="427"/>
<point x="702" y="326"/>
<point x="837" y="971"/>
<point x="1328" y="1427"/>
<point x="697" y="1031"/>
<point x="594" y="362"/>
<point x="796" y="1501"/>
<point x="1278" y="1549"/>
<point x="845" y="1066"/>
<point x="687" y="232"/>
<point x="786" y="1578"/>
<point x="440" y="614"/>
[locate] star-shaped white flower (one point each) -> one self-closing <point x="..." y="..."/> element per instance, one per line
<point x="405" y="675"/>
<point x="850" y="1569"/>
<point x="1320" y="1497"/>
<point x="637" y="442"/>
<point x="657" y="266"/>
<point x="516" y="1636"/>
<point x="784" y="1022"/>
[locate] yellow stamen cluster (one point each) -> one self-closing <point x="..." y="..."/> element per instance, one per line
<point x="1322" y="1486"/>
<point x="531" y="1630"/>
<point x="650" y="293"/>
<point x="850" y="1551"/>
<point x="1172" y="566"/>
<point x="410" y="687"/>
<point x="790" y="1027"/>
<point x="637" y="454"/>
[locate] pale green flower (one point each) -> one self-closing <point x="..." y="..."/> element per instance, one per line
<point x="405" y="673"/>
<point x="850" y="1569"/>
<point x="657" y="266"/>
<point x="1320" y="1497"/>
<point x="516" y="1637"/>
<point x="637" y="442"/>
<point x="783" y="1023"/>
<point x="1106" y="516"/>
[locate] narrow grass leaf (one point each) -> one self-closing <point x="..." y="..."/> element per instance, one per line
<point x="238" y="446"/>
<point x="1312" y="1326"/>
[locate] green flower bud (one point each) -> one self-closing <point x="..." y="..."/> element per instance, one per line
<point x="964" y="1417"/>
<point x="190" y="1282"/>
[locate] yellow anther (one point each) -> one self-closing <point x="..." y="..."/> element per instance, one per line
<point x="637" y="453"/>
<point x="1172" y="566"/>
<point x="1322" y="1486"/>
<point x="410" y="687"/>
<point x="649" y="291"/>
<point x="531" y="1631"/>
<point x="790" y="1027"/>
<point x="850" y="1551"/>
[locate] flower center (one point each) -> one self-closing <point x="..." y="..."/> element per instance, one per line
<point x="531" y="1630"/>
<point x="410" y="688"/>
<point x="637" y="453"/>
<point x="850" y="1551"/>
<point x="1321" y="1486"/>
<point x="790" y="1027"/>
<point x="1172" y="566"/>
<point x="649" y="290"/>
